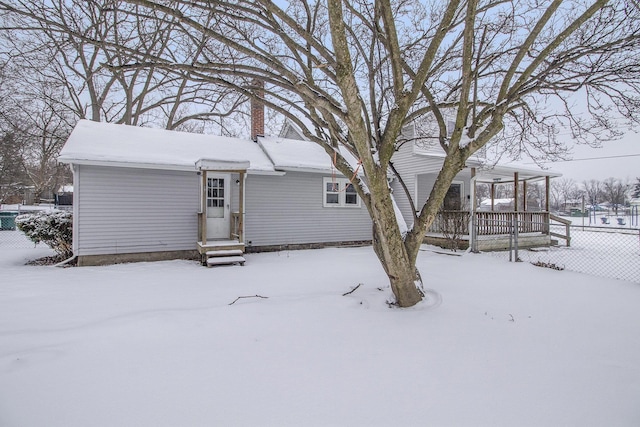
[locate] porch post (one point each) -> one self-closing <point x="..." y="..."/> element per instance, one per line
<point x="547" y="181"/>
<point x="472" y="212"/>
<point x="493" y="195"/>
<point x="203" y="217"/>
<point x="241" y="209"/>
<point x="473" y="190"/>
<point x="524" y="198"/>
<point x="516" y="196"/>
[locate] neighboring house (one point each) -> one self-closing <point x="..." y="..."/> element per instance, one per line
<point x="505" y="204"/>
<point x="64" y="196"/>
<point x="151" y="194"/>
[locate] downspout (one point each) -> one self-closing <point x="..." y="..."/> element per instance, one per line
<point x="244" y="207"/>
<point x="66" y="261"/>
<point x="75" y="170"/>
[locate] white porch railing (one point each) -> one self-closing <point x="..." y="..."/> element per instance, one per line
<point x="490" y="223"/>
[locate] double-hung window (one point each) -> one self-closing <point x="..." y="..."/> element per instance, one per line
<point x="339" y="192"/>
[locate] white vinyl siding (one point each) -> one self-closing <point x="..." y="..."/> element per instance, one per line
<point x="419" y="173"/>
<point x="234" y="188"/>
<point x="128" y="210"/>
<point x="288" y="209"/>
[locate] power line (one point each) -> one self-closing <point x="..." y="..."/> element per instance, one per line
<point x="599" y="158"/>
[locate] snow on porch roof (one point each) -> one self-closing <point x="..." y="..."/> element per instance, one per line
<point x="503" y="173"/>
<point x="297" y="155"/>
<point x="131" y="146"/>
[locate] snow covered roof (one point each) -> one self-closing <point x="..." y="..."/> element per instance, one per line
<point x="296" y="155"/>
<point x="131" y="146"/>
<point x="110" y="144"/>
<point x="501" y="173"/>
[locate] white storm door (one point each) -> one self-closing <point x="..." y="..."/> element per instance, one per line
<point x="218" y="206"/>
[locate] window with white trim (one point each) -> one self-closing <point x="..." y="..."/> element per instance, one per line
<point x="339" y="192"/>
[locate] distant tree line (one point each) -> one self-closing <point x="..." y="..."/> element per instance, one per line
<point x="59" y="63"/>
<point x="615" y="192"/>
<point x="566" y="193"/>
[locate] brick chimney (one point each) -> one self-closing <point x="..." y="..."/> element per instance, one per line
<point x="257" y="110"/>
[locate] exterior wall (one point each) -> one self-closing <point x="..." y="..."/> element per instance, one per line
<point x="127" y="214"/>
<point x="425" y="182"/>
<point x="501" y="243"/>
<point x="92" y="260"/>
<point x="419" y="174"/>
<point x="235" y="192"/>
<point x="288" y="210"/>
<point x="290" y="132"/>
<point x="492" y="243"/>
<point x="409" y="166"/>
<point x="127" y="210"/>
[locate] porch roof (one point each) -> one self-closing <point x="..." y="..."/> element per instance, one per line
<point x="505" y="173"/>
<point x="109" y="144"/>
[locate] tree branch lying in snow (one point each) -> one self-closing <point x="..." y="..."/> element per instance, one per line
<point x="248" y="296"/>
<point x="352" y="290"/>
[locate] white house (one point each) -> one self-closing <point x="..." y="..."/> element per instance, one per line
<point x="153" y="194"/>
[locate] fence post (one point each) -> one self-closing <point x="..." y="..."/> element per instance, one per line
<point x="474" y="233"/>
<point x="510" y="242"/>
<point x="515" y="237"/>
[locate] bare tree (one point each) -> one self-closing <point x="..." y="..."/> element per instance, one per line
<point x="565" y="189"/>
<point x="483" y="192"/>
<point x="359" y="71"/>
<point x="40" y="130"/>
<point x="11" y="172"/>
<point x="535" y="196"/>
<point x="593" y="190"/>
<point x="78" y="46"/>
<point x="615" y="192"/>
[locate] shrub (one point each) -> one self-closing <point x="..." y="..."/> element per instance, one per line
<point x="52" y="228"/>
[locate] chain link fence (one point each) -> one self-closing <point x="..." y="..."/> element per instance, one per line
<point x="14" y="239"/>
<point x="598" y="251"/>
<point x="10" y="236"/>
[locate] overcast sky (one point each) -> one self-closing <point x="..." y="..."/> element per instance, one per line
<point x="618" y="159"/>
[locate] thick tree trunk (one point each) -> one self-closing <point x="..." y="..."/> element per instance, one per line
<point x="398" y="253"/>
<point x="389" y="246"/>
<point x="403" y="275"/>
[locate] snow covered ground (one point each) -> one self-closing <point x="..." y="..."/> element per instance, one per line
<point x="628" y="221"/>
<point x="598" y="251"/>
<point x="158" y="344"/>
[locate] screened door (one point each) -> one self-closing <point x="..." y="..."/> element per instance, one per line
<point x="218" y="206"/>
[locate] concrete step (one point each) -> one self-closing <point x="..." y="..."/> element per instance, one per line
<point x="225" y="252"/>
<point x="224" y="260"/>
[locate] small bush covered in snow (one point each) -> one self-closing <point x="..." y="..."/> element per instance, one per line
<point x="52" y="228"/>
